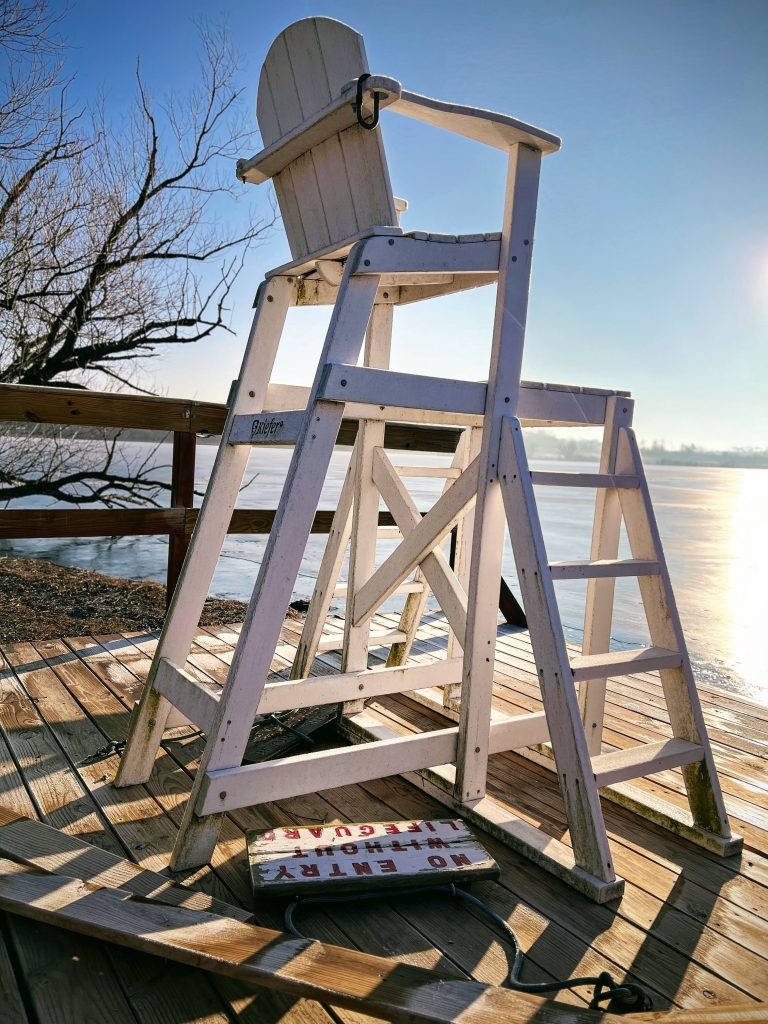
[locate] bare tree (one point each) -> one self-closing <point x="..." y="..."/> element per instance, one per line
<point x="116" y="240"/>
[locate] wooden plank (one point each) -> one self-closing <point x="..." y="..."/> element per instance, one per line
<point x="261" y="956"/>
<point x="182" y="496"/>
<point x="81" y="522"/>
<point x="58" y="793"/>
<point x="26" y="403"/>
<point x="387" y="855"/>
<point x="12" y="1005"/>
<point x="47" y="849"/>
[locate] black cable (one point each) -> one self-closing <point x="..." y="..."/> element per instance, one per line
<point x="621" y="998"/>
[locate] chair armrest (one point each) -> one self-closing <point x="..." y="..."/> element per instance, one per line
<point x="486" y="126"/>
<point x="332" y="119"/>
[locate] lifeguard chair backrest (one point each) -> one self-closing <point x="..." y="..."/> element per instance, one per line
<point x="341" y="187"/>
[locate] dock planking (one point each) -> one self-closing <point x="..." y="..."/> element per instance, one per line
<point x="691" y="926"/>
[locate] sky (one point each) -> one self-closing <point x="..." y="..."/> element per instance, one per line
<point x="651" y="264"/>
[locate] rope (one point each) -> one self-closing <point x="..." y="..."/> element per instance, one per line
<point x="620" y="998"/>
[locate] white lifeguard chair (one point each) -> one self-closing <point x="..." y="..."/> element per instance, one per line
<point x="318" y="109"/>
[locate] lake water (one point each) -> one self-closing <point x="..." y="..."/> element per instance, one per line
<point x="712" y="522"/>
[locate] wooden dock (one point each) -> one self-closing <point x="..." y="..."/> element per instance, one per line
<point x="691" y="927"/>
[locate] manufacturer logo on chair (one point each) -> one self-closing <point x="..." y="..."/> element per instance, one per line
<point x="269" y="427"/>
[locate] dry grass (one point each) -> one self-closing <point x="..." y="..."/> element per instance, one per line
<point x="43" y="601"/>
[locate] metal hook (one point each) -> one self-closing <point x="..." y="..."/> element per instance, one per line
<point x="370" y="125"/>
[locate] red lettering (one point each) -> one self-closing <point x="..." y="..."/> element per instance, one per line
<point x="298" y="852"/>
<point x="437" y="862"/>
<point x="283" y="872"/>
<point x="429" y="826"/>
<point x="374" y="847"/>
<point x="413" y="827"/>
<point x="362" y="869"/>
<point x="342" y="830"/>
<point x="399" y="847"/>
<point x="460" y="858"/>
<point x="436" y="843"/>
<point x="316" y="833"/>
<point x="291" y="833"/>
<point x="391" y="829"/>
<point x="310" y="871"/>
<point x="267" y="837"/>
<point x="336" y="872"/>
<point x="327" y="850"/>
<point x="348" y="848"/>
<point x="454" y="825"/>
<point x="367" y="830"/>
<point x="388" y="867"/>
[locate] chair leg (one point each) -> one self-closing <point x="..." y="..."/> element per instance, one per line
<point x="259" y="636"/>
<point x="151" y="716"/>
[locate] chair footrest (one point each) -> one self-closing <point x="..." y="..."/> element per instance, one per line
<point x="621" y="663"/>
<point x="645" y="759"/>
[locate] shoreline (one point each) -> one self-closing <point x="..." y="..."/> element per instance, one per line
<point x="46" y="601"/>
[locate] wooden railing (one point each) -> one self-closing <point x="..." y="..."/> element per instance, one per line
<point x="185" y="419"/>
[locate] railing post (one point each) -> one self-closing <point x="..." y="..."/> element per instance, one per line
<point x="182" y="496"/>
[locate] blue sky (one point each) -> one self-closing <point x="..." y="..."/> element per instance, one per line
<point x="651" y="263"/>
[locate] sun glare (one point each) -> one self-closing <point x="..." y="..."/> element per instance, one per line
<point x="747" y="602"/>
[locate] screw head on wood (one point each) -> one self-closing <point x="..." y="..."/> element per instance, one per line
<point x="270" y="298"/>
<point x="251" y="394"/>
<point x="343" y="383"/>
<point x="223" y="795"/>
<point x="366" y="263"/>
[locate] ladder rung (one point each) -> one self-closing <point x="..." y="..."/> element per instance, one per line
<point x="604" y="567"/>
<point x="645" y="759"/>
<point x="621" y="663"/>
<point x="409" y="587"/>
<point x="549" y="478"/>
<point x="376" y="638"/>
<point x="446" y="472"/>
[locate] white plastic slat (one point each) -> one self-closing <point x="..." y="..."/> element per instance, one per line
<point x="619" y="663"/>
<point x="611" y="567"/>
<point x="645" y="759"/>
